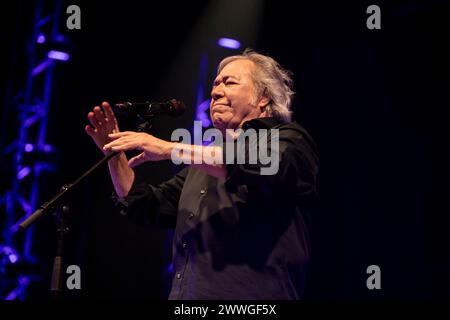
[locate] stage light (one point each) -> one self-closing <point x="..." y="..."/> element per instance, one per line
<point x="58" y="55"/>
<point x="23" y="173"/>
<point x="41" y="67"/>
<point x="13" y="258"/>
<point x="29" y="147"/>
<point x="41" y="38"/>
<point x="229" y="43"/>
<point x="8" y="253"/>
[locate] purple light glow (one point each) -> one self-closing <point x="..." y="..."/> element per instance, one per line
<point x="48" y="148"/>
<point x="23" y="283"/>
<point x="58" y="55"/>
<point x="60" y="38"/>
<point x="23" y="173"/>
<point x="40" y="38"/>
<point x="13" y="258"/>
<point x="29" y="147"/>
<point x="229" y="43"/>
<point x="41" y="67"/>
<point x="9" y="252"/>
<point x="202" y="115"/>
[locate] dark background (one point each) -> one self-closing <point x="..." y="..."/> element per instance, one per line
<point x="375" y="101"/>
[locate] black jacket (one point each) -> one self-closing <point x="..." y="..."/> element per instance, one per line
<point x="244" y="237"/>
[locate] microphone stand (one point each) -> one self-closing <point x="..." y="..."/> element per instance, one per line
<point x="64" y="212"/>
<point x="50" y="205"/>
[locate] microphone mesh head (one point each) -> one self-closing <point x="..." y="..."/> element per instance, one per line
<point x="121" y="108"/>
<point x="178" y="107"/>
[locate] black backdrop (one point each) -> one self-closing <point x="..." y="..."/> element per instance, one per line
<point x="374" y="100"/>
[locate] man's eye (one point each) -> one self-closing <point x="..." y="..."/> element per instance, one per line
<point x="230" y="82"/>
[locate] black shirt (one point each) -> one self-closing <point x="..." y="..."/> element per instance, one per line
<point x="244" y="237"/>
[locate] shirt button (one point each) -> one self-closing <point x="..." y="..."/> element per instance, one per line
<point x="191" y="215"/>
<point x="184" y="245"/>
<point x="202" y="191"/>
<point x="178" y="275"/>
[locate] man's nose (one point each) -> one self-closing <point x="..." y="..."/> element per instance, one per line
<point x="217" y="92"/>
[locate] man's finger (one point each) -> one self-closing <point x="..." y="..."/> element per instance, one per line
<point x="92" y="120"/>
<point x="89" y="130"/>
<point x="112" y="146"/>
<point x="120" y="134"/>
<point x="109" y="114"/>
<point x="99" y="116"/>
<point x="137" y="160"/>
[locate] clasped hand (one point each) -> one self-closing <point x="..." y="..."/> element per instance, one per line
<point x="104" y="130"/>
<point x="153" y="149"/>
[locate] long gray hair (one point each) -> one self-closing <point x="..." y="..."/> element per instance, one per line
<point x="270" y="79"/>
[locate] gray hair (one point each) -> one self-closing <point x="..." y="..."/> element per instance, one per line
<point x="270" y="79"/>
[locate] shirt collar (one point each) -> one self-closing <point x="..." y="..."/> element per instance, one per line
<point x="261" y="123"/>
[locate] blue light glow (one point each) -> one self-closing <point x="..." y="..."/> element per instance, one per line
<point x="202" y="115"/>
<point x="229" y="43"/>
<point x="13" y="258"/>
<point x="23" y="173"/>
<point x="48" y="148"/>
<point x="29" y="147"/>
<point x="41" y="67"/>
<point x="58" y="55"/>
<point x="40" y="38"/>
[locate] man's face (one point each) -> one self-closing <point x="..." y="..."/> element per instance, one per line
<point x="233" y="96"/>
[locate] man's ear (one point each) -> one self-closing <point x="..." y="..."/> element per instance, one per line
<point x="263" y="102"/>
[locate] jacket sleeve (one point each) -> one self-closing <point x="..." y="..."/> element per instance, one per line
<point x="294" y="166"/>
<point x="150" y="205"/>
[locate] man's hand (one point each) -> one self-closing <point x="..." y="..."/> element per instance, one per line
<point x="154" y="149"/>
<point x="103" y="122"/>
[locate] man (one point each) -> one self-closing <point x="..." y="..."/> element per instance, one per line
<point x="239" y="234"/>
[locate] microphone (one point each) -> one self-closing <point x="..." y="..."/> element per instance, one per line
<point x="173" y="108"/>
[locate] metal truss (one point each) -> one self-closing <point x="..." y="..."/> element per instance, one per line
<point x="24" y="153"/>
